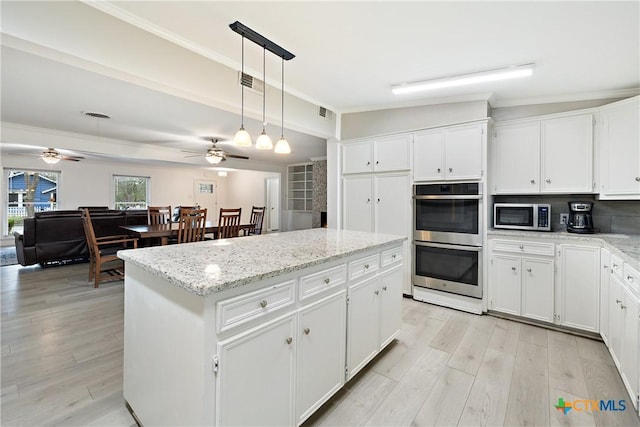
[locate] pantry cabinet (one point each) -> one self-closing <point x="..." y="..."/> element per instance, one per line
<point x="449" y="153"/>
<point x="377" y="155"/>
<point x="551" y="155"/>
<point x="619" y="133"/>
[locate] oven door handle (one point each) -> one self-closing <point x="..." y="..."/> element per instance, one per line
<point x="446" y="246"/>
<point x="453" y="197"/>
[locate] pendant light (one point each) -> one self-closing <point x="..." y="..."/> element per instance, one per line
<point x="282" y="146"/>
<point x="264" y="142"/>
<point x="242" y="137"/>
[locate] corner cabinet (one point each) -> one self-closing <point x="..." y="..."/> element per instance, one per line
<point x="619" y="139"/>
<point x="450" y="153"/>
<point x="377" y="155"/>
<point x="552" y="155"/>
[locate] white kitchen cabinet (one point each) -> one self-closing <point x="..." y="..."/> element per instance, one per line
<point x="605" y="272"/>
<point x="357" y="203"/>
<point x="552" y="155"/>
<point x="449" y="153"/>
<point x="390" y="305"/>
<point x="377" y="155"/>
<point x="578" y="290"/>
<point x="616" y="319"/>
<point x="522" y="285"/>
<point x="257" y="372"/>
<point x="363" y="316"/>
<point x="321" y="342"/>
<point x="629" y="362"/>
<point x="619" y="138"/>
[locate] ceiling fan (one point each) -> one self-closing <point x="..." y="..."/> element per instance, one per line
<point x="52" y="156"/>
<point x="215" y="155"/>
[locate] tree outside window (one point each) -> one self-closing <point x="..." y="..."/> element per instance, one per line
<point x="131" y="192"/>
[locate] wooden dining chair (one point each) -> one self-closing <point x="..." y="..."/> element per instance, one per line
<point x="257" y="217"/>
<point x="191" y="225"/>
<point x="229" y="223"/>
<point x="158" y="215"/>
<point x="104" y="264"/>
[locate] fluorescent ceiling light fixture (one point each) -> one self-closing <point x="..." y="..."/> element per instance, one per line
<point x="465" y="79"/>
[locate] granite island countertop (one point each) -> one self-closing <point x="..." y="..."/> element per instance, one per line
<point x="626" y="246"/>
<point x="212" y="266"/>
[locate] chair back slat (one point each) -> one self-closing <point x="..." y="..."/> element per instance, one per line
<point x="229" y="223"/>
<point x="191" y="225"/>
<point x="89" y="233"/>
<point x="257" y="217"/>
<point x="158" y="215"/>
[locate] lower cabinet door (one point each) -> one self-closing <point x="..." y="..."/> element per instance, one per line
<point x="321" y="352"/>
<point x="390" y="305"/>
<point x="505" y="284"/>
<point x="255" y="378"/>
<point x="616" y="319"/>
<point x="363" y="324"/>
<point x="537" y="289"/>
<point x="630" y="343"/>
<point x="580" y="287"/>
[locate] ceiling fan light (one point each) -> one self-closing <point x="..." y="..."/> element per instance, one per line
<point x="52" y="160"/>
<point x="212" y="158"/>
<point x="242" y="138"/>
<point x="264" y="142"/>
<point x="282" y="146"/>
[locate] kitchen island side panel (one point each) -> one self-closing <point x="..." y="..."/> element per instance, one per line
<point x="164" y="351"/>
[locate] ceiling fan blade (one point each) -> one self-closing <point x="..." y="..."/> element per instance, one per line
<point x="72" y="158"/>
<point x="234" y="156"/>
<point x="195" y="155"/>
<point x="191" y="151"/>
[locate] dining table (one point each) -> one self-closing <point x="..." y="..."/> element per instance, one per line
<point x="165" y="231"/>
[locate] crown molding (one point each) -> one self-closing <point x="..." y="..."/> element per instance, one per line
<point x="486" y="96"/>
<point x="586" y="96"/>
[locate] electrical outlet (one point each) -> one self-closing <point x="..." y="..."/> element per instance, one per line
<point x="564" y="218"/>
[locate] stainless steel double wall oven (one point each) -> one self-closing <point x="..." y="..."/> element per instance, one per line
<point x="447" y="237"/>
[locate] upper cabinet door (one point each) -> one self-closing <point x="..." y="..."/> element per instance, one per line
<point x="620" y="150"/>
<point x="428" y="156"/>
<point x="357" y="157"/>
<point x="566" y="152"/>
<point x="392" y="154"/>
<point x="357" y="203"/>
<point x="463" y="152"/>
<point x="517" y="158"/>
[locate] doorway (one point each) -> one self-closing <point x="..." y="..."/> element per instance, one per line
<point x="273" y="204"/>
<point x="205" y="195"/>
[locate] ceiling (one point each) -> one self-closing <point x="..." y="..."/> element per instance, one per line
<point x="348" y="55"/>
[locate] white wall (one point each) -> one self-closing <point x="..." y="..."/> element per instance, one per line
<point x="245" y="189"/>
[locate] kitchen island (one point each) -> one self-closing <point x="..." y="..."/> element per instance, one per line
<point x="257" y="330"/>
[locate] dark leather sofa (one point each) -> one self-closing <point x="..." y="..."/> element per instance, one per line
<point x="58" y="236"/>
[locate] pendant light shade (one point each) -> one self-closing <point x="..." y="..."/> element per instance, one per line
<point x="282" y="146"/>
<point x="264" y="142"/>
<point x="242" y="137"/>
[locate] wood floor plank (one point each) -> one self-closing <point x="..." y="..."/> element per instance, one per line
<point x="505" y="336"/>
<point x="533" y="334"/>
<point x="487" y="402"/>
<point x="593" y="350"/>
<point x="469" y="353"/>
<point x="565" y="365"/>
<point x="452" y="332"/>
<point x="528" y="403"/>
<point x="444" y="403"/>
<point x="405" y="400"/>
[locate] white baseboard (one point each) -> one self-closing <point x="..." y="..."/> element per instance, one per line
<point x="459" y="302"/>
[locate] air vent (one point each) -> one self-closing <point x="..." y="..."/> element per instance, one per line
<point x="323" y="112"/>
<point x="251" y="82"/>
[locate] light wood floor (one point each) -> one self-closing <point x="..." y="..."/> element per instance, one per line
<point x="62" y="364"/>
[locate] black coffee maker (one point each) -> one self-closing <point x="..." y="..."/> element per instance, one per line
<point x="580" y="219"/>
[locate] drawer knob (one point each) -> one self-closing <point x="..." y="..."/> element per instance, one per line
<point x="529" y="270"/>
<point x="368" y="163"/>
<point x="377" y="292"/>
<point x="450" y="169"/>
<point x="615" y="265"/>
<point x="263" y="303"/>
<point x="548" y="181"/>
<point x="622" y="306"/>
<point x="513" y="268"/>
<point x="393" y="256"/>
<point x="630" y="278"/>
<point x="521" y="247"/>
<point x="377" y="162"/>
<point x="605" y="266"/>
<point x="289" y="340"/>
<point x="384" y="288"/>
<point x="366" y="266"/>
<point x="306" y="331"/>
<point x="533" y="181"/>
<point x="438" y="170"/>
<point x="638" y="178"/>
<point x="618" y="301"/>
<point x="327" y="280"/>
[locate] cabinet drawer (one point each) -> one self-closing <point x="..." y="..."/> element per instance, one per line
<point x="617" y="265"/>
<point x="325" y="279"/>
<point x="531" y="248"/>
<point x="632" y="278"/>
<point x="391" y="257"/>
<point x="238" y="310"/>
<point x="364" y="267"/>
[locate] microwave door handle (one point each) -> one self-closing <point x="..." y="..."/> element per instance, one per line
<point x="454" y="197"/>
<point x="446" y="246"/>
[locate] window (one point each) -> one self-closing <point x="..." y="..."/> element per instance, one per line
<point x="131" y="192"/>
<point x="300" y="193"/>
<point x="28" y="192"/>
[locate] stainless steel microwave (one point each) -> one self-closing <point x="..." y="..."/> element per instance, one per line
<point x="522" y="216"/>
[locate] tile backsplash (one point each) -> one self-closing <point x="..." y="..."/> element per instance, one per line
<point x="609" y="216"/>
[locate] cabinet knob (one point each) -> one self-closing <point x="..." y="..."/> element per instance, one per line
<point x="615" y="265"/>
<point x="605" y="266"/>
<point x="306" y="331"/>
<point x="438" y="170"/>
<point x="637" y="178"/>
<point x="533" y="181"/>
<point x="368" y="200"/>
<point x="377" y="292"/>
<point x="521" y="247"/>
<point x="630" y="278"/>
<point x="378" y="200"/>
<point x="450" y="169"/>
<point x="263" y="303"/>
<point x="327" y="280"/>
<point x="366" y="266"/>
<point x="618" y="301"/>
<point x="548" y="181"/>
<point x="622" y="306"/>
<point x="289" y="340"/>
<point x="368" y="163"/>
<point x="384" y="288"/>
<point x="393" y="256"/>
<point x="529" y="270"/>
<point x="513" y="268"/>
<point x="377" y="162"/>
